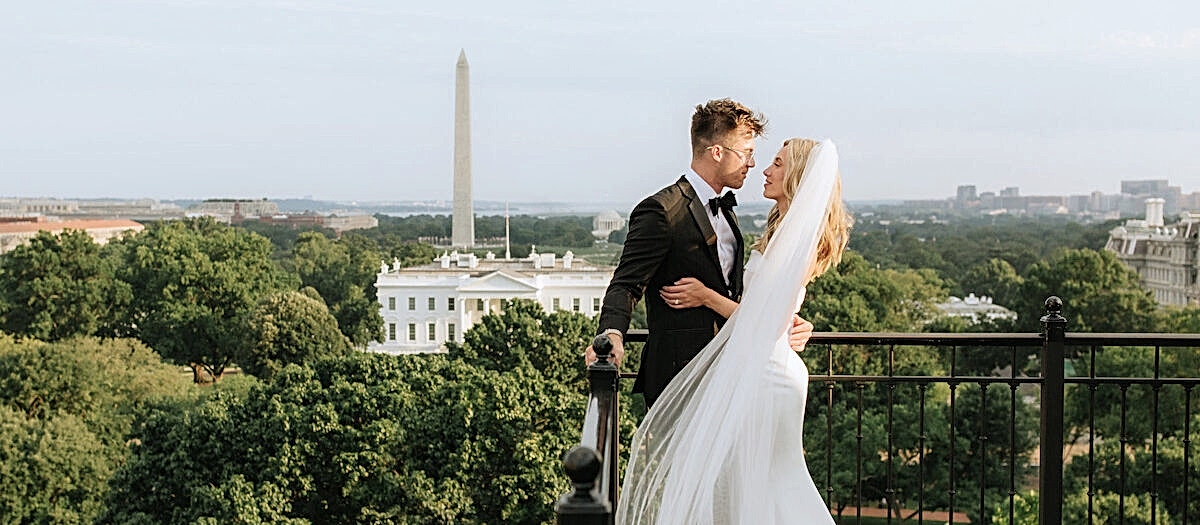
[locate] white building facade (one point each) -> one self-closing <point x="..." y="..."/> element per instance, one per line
<point x="976" y="309"/>
<point x="423" y="307"/>
<point x="1164" y="256"/>
<point x="606" y="223"/>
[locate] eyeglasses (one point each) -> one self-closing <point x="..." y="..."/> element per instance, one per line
<point x="746" y="156"/>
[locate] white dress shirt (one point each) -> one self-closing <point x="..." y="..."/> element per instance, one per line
<point x="726" y="242"/>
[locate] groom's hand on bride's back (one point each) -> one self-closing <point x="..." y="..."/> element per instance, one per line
<point x="800" y="333"/>
<point x="618" y="352"/>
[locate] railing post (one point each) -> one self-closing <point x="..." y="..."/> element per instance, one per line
<point x="1050" y="451"/>
<point x="582" y="507"/>
<point x="592" y="465"/>
<point x="604" y="380"/>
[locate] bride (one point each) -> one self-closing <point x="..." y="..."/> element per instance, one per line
<point x="724" y="442"/>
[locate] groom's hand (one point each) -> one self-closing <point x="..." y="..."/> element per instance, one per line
<point x="801" y="331"/>
<point x="618" y="352"/>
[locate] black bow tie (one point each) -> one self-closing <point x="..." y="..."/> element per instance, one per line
<point x="726" y="201"/>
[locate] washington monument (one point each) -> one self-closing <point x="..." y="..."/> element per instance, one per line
<point x="462" y="225"/>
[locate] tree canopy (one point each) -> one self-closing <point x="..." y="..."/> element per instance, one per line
<point x="193" y="281"/>
<point x="60" y="286"/>
<point x="65" y="411"/>
<point x="289" y="327"/>
<point x="344" y="273"/>
<point x="363" y="438"/>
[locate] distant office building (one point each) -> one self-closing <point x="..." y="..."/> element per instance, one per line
<point x="1139" y="190"/>
<point x="13" y="234"/>
<point x="1079" y="203"/>
<point x="142" y="209"/>
<point x="343" y="222"/>
<point x="966" y="193"/>
<point x="299" y="220"/>
<point x="337" y="222"/>
<point x="1164" y="256"/>
<point x="226" y="209"/>
<point x="35" y="207"/>
<point x="1144" y="187"/>
<point x="423" y="307"/>
<point x="1190" y="202"/>
<point x="929" y="204"/>
<point x="1045" y="204"/>
<point x="1011" y="191"/>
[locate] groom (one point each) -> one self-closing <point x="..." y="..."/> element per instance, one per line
<point x="687" y="229"/>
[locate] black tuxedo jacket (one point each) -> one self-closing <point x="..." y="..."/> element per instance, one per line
<point x="670" y="237"/>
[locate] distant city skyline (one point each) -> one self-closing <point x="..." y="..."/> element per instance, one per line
<point x="353" y="99"/>
<point x="997" y="187"/>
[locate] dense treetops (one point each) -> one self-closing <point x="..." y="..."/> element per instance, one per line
<point x="101" y="421"/>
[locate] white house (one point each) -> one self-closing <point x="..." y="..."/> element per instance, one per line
<point x="975" y="308"/>
<point x="425" y="306"/>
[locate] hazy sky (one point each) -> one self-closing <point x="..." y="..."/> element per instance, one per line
<point x="586" y="100"/>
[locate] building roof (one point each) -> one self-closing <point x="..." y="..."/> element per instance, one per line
<point x="529" y="266"/>
<point x="82" y="224"/>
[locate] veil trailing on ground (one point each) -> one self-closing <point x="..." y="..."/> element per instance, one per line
<point x="704" y="453"/>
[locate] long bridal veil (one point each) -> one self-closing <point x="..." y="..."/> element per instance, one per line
<point x="703" y="454"/>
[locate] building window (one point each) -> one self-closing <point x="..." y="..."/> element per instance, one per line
<point x="479" y="304"/>
<point x="595" y="304"/>
<point x="450" y="304"/>
<point x="555" y="305"/>
<point x="432" y="332"/>
<point x="412" y="303"/>
<point x="391" y="303"/>
<point x="412" y="332"/>
<point x="391" y="331"/>
<point x="450" y="332"/>
<point x="432" y="304"/>
<point x="574" y="304"/>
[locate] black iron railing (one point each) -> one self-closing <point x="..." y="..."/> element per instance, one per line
<point x="958" y="469"/>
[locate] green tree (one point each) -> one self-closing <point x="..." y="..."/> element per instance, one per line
<point x="408" y="253"/>
<point x="283" y="237"/>
<point x="858" y="296"/>
<point x="1099" y="293"/>
<point x="358" y="438"/>
<point x="289" y="327"/>
<point x="1024" y="510"/>
<point x="66" y="409"/>
<point x="344" y="274"/>
<point x="524" y="335"/>
<point x="59" y="286"/>
<point x="193" y="282"/>
<point x="52" y="470"/>
<point x="995" y="278"/>
<point x="1181" y="320"/>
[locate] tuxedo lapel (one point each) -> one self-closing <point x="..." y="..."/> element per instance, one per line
<point x="735" y="279"/>
<point x="700" y="217"/>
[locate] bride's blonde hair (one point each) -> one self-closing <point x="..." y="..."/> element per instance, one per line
<point x="838" y="221"/>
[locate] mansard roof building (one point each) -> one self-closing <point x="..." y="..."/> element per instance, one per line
<point x="425" y="306"/>
<point x="1165" y="256"/>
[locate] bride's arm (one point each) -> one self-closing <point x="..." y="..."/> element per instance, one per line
<point x="689" y="292"/>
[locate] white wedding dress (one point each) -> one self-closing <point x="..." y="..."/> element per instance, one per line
<point x="724" y="442"/>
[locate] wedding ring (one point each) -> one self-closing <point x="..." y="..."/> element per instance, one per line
<point x="677" y="301"/>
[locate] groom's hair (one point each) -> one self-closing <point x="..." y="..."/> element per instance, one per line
<point x="714" y="120"/>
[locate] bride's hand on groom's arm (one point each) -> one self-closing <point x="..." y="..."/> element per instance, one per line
<point x="800" y="333"/>
<point x="689" y="292"/>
